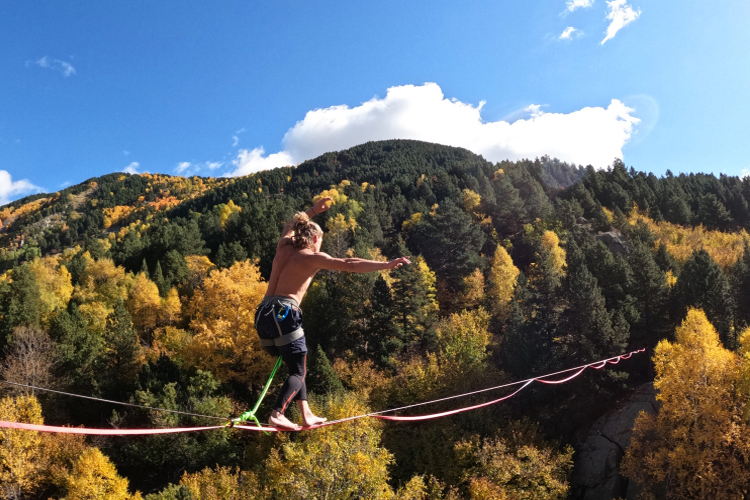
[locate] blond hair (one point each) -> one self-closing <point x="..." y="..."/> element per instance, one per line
<point x="304" y="231"/>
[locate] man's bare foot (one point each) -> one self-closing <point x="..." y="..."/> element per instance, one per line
<point x="308" y="419"/>
<point x="279" y="420"/>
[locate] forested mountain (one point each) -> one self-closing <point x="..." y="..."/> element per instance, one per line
<point x="142" y="289"/>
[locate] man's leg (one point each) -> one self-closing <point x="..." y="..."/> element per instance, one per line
<point x="297" y="366"/>
<point x="308" y="418"/>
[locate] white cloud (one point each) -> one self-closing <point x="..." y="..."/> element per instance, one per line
<point x="132" y="168"/>
<point x="592" y="135"/>
<point x="568" y="33"/>
<point x="182" y="166"/>
<point x="250" y="161"/>
<point x="63" y="67"/>
<point x="620" y="15"/>
<point x="572" y="5"/>
<point x="236" y="137"/>
<point x="187" y="168"/>
<point x="745" y="172"/>
<point x="11" y="189"/>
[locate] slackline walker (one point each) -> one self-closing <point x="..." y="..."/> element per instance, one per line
<point x="250" y="415"/>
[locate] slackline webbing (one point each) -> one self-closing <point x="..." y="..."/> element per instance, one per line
<point x="578" y="370"/>
<point x="109" y="400"/>
<point x="102" y="432"/>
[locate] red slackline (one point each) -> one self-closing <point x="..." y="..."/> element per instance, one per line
<point x="120" y="432"/>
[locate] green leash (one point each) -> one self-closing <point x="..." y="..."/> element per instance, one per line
<point x="250" y="414"/>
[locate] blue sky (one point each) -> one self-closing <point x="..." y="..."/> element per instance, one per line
<point x="90" y="88"/>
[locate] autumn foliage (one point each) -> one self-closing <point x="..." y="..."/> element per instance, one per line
<point x="695" y="447"/>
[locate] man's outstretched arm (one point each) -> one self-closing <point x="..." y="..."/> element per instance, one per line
<point x="324" y="261"/>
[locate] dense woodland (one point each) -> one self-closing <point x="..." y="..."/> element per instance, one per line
<point x="142" y="289"/>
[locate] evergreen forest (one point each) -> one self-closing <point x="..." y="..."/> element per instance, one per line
<point x="142" y="289"/>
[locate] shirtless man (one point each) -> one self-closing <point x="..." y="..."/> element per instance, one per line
<point x="278" y="318"/>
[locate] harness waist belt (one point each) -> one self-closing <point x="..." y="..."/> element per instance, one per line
<point x="284" y="339"/>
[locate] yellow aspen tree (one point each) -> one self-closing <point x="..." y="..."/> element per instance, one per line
<point x="503" y="278"/>
<point x="102" y="281"/>
<point x="171" y="308"/>
<point x="463" y="339"/>
<point x="61" y="452"/>
<point x="502" y="468"/>
<point x="336" y="463"/>
<point x="227" y="211"/>
<point x="743" y="383"/>
<point x="94" y="477"/>
<point x="144" y="304"/>
<point x="551" y="243"/>
<point x="337" y="237"/>
<point x="473" y="294"/>
<point x="21" y="456"/>
<point x="222" y="483"/>
<point x="54" y="283"/>
<point x="199" y="267"/>
<point x="222" y="318"/>
<point x="695" y="447"/>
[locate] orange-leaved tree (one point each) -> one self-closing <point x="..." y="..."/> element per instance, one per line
<point x="222" y="318"/>
<point x="696" y="446"/>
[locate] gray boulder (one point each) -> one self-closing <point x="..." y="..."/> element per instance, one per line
<point x="615" y="241"/>
<point x="598" y="459"/>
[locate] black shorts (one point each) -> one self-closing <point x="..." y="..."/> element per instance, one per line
<point x="278" y="321"/>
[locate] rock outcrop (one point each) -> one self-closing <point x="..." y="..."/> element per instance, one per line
<point x="615" y="241"/>
<point x="598" y="458"/>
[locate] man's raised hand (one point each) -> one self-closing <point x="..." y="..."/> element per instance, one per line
<point x="396" y="263"/>
<point x="322" y="205"/>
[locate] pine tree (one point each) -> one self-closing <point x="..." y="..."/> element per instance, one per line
<point x="740" y="285"/>
<point x="158" y="277"/>
<point x="508" y="214"/>
<point x="651" y="297"/>
<point x="122" y="350"/>
<point x="665" y="261"/>
<point x="414" y="299"/>
<point x="702" y="284"/>
<point x="383" y="337"/>
<point x="321" y="377"/>
<point x="450" y="243"/>
<point x="79" y="349"/>
<point x="21" y="302"/>
<point x="586" y="324"/>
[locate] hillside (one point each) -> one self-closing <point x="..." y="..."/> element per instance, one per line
<point x="142" y="288"/>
